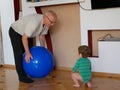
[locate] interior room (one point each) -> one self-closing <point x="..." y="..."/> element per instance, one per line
<point x="78" y="23"/>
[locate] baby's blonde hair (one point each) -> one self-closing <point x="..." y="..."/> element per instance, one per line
<point x="84" y="50"/>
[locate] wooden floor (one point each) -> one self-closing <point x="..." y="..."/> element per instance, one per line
<point x="57" y="80"/>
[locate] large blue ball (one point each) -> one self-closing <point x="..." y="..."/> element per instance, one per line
<point x="41" y="64"/>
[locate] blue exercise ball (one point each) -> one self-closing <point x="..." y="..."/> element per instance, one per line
<point x="41" y="64"/>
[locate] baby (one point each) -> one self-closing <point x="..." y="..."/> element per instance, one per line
<point x="81" y="71"/>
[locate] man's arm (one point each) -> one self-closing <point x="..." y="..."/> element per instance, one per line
<point x="26" y="47"/>
<point x="42" y="40"/>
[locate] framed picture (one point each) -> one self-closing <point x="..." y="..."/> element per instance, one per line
<point x="33" y="0"/>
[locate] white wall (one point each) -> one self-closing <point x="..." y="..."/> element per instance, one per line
<point x="25" y="9"/>
<point x="98" y="20"/>
<point x="7" y="17"/>
<point x="1" y="48"/>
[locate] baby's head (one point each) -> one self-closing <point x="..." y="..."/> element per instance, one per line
<point x="84" y="51"/>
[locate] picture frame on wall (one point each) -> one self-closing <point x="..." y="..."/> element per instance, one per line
<point x="33" y="0"/>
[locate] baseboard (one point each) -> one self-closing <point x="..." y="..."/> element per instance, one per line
<point x="109" y="75"/>
<point x="63" y="68"/>
<point x="9" y="66"/>
<point x="95" y="74"/>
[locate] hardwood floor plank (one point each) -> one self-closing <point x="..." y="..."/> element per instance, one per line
<point x="56" y="80"/>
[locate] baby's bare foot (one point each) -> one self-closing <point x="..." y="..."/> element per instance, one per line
<point x="89" y="85"/>
<point x="76" y="85"/>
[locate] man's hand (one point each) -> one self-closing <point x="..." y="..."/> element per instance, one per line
<point x="25" y="44"/>
<point x="28" y="57"/>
